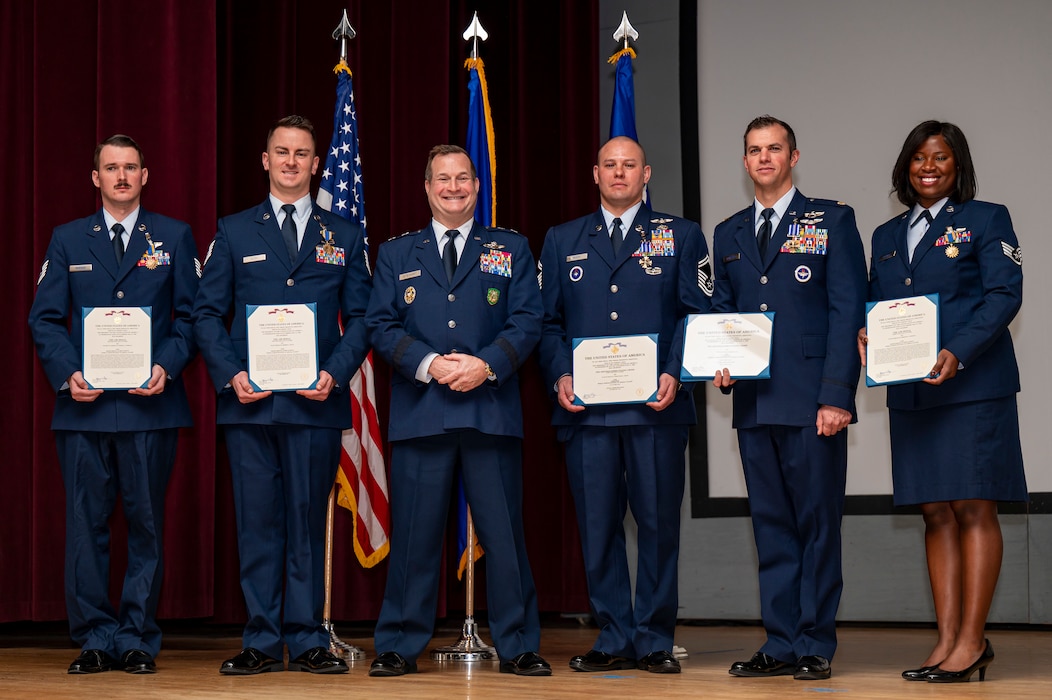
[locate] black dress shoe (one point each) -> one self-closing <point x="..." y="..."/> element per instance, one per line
<point x="659" y="662"/>
<point x="528" y="663"/>
<point x="812" y="668"/>
<point x="93" y="661"/>
<point x="918" y="674"/>
<point x="964" y="675"/>
<point x="760" y="666"/>
<point x="597" y="661"/>
<point x="391" y="663"/>
<point x="250" y="662"/>
<point x="318" y="660"/>
<point x="138" y="661"/>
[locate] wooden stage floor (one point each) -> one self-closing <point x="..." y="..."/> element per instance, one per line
<point x="867" y="665"/>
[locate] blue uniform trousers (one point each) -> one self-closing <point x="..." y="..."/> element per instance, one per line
<point x="282" y="476"/>
<point x="96" y="468"/>
<point x="642" y="467"/>
<point x="422" y="476"/>
<point x="796" y="481"/>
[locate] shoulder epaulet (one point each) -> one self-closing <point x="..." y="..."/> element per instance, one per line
<point x="502" y="228"/>
<point x="403" y="235"/>
<point x="826" y="202"/>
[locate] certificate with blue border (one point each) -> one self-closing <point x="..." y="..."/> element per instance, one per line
<point x="282" y="346"/>
<point x="902" y="339"/>
<point x="615" y="369"/>
<point x="116" y="346"/>
<point x="739" y="343"/>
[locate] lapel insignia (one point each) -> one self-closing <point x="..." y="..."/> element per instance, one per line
<point x="142" y="227"/>
<point x="266" y="216"/>
<point x="949" y="208"/>
<point x="598" y="228"/>
<point x="96" y="228"/>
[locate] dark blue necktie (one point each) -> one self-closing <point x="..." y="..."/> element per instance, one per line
<point x="617" y="236"/>
<point x="288" y="232"/>
<point x="118" y="243"/>
<point x="764" y="234"/>
<point x="449" y="255"/>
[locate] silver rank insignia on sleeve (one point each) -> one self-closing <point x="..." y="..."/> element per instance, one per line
<point x="1013" y="254"/>
<point x="705" y="275"/>
<point x="540" y="275"/>
<point x="43" y="271"/>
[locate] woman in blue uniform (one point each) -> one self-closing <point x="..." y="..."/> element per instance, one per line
<point x="955" y="435"/>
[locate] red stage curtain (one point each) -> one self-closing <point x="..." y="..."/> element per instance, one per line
<point x="198" y="84"/>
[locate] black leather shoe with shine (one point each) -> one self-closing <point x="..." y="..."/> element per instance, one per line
<point x="528" y="663"/>
<point x="250" y="662"/>
<point x="659" y="662"/>
<point x="391" y="663"/>
<point x="965" y="674"/>
<point x="138" y="661"/>
<point x="599" y="661"/>
<point x="812" y="668"/>
<point x="318" y="660"/>
<point x="760" y="666"/>
<point x="93" y="661"/>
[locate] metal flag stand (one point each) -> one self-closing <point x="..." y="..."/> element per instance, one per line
<point x="344" y="32"/>
<point x="470" y="646"/>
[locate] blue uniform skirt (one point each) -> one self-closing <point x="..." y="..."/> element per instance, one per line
<point x="958" y="452"/>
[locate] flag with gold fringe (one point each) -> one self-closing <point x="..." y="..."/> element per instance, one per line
<point x="362" y="476"/>
<point x="483" y="155"/>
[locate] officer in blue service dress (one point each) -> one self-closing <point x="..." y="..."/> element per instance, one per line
<point x="116" y="443"/>
<point x="455" y="312"/>
<point x="625" y="270"/>
<point x="954" y="436"/>
<point x="284" y="447"/>
<point x="802" y="259"/>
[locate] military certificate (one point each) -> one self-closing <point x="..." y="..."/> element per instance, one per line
<point x="612" y="370"/>
<point x="903" y="339"/>
<point x="116" y="346"/>
<point x="282" y="347"/>
<point x="739" y="343"/>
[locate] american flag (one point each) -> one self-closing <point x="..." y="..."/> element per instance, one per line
<point x="362" y="476"/>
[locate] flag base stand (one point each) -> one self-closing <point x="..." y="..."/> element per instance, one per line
<point x="340" y="648"/>
<point x="469" y="647"/>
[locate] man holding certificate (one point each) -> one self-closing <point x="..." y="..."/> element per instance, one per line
<point x="455" y="313"/>
<point x="289" y="274"/>
<point x="120" y="403"/>
<point x="621" y="281"/>
<point x="802" y="259"/>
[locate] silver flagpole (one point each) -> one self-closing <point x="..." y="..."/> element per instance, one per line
<point x="344" y="32"/>
<point x="470" y="646"/>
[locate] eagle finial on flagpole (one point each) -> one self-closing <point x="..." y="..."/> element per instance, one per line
<point x="344" y="32"/>
<point x="625" y="30"/>
<point x="473" y="33"/>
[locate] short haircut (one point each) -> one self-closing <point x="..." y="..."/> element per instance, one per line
<point x="293" y="121"/>
<point x="446" y="149"/>
<point x="765" y="121"/>
<point x="629" y="138"/>
<point x="965" y="183"/>
<point x="119" y="141"/>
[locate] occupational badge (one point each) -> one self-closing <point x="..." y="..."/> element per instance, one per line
<point x="492" y="296"/>
<point x="410" y="294"/>
<point x="576" y="273"/>
<point x="802" y="274"/>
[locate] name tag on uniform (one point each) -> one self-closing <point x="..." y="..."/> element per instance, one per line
<point x="408" y="275"/>
<point x="575" y="258"/>
<point x="254" y="258"/>
<point x="80" y="268"/>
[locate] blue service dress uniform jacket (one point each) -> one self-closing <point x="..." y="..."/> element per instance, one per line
<point x="160" y="271"/>
<point x="284" y="449"/>
<point x="491" y="309"/>
<point x="814" y="280"/>
<point x="627" y="454"/>
<point x="971" y="258"/>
